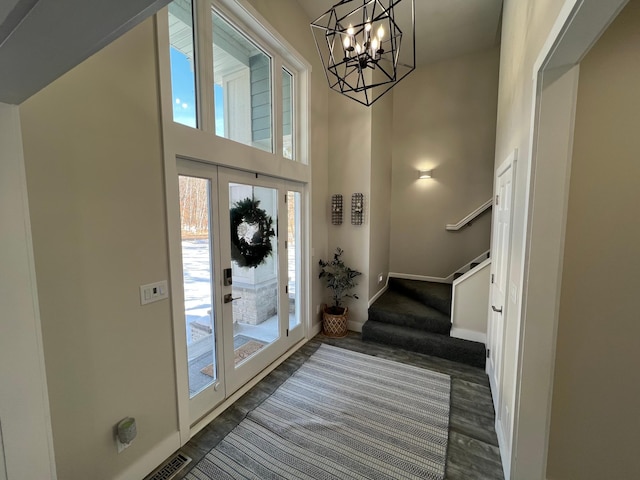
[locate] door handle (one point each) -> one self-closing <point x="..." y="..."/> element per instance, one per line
<point x="497" y="310"/>
<point x="228" y="298"/>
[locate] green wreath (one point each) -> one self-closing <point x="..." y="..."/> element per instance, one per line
<point x="251" y="232"/>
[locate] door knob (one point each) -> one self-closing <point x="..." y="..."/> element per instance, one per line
<point x="497" y="310"/>
<point x="228" y="298"/>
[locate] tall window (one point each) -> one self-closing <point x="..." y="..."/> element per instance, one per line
<point x="183" y="77"/>
<point x="287" y="114"/>
<point x="236" y="82"/>
<point x="242" y="87"/>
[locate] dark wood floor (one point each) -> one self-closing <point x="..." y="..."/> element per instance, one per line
<point x="473" y="447"/>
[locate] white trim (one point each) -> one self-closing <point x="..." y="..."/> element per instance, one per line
<point x="448" y="279"/>
<point x="472" y="272"/>
<point x="152" y="459"/>
<point x="315" y="330"/>
<point x="577" y="27"/>
<point x="379" y="293"/>
<point x="265" y="32"/>
<point x="468" y="335"/>
<point x="295" y="62"/>
<point x="469" y="218"/>
<point x="422" y="278"/>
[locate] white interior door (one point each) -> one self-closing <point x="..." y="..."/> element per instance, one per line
<point x="499" y="275"/>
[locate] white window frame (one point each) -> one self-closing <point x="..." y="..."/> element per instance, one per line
<point x="294" y="116"/>
<point x="244" y="18"/>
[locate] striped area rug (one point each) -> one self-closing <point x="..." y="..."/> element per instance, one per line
<point x="342" y="415"/>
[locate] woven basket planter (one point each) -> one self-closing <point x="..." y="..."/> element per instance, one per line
<point x="334" y="325"/>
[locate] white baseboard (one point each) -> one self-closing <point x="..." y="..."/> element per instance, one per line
<point x="469" y="335"/>
<point x="410" y="276"/>
<point x="315" y="330"/>
<point x="378" y="295"/>
<point x="354" y="326"/>
<point x="152" y="459"/>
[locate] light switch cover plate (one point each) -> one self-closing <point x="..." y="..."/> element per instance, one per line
<point x="153" y="292"/>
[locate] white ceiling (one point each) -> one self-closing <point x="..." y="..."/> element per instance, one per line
<point x="42" y="39"/>
<point x="444" y="28"/>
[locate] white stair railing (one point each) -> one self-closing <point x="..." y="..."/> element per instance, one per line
<point x="469" y="218"/>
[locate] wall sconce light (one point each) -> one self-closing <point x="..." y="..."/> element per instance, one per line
<point x="336" y="209"/>
<point x="357" y="208"/>
<point x="425" y="174"/>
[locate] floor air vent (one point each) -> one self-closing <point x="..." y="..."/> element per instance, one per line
<point x="171" y="467"/>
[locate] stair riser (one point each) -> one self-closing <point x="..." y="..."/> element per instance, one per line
<point x="442" y="349"/>
<point x="434" y="325"/>
<point x="440" y="303"/>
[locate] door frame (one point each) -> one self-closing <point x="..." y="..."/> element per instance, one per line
<point x="215" y="393"/>
<point x="578" y="26"/>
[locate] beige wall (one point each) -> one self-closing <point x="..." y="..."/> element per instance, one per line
<point x="349" y="173"/>
<point x="596" y="387"/>
<point x="380" y="197"/>
<point x="94" y="174"/>
<point x="289" y="19"/>
<point x="444" y="119"/>
<point x="360" y="162"/>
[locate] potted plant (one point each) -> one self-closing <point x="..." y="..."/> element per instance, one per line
<point x="339" y="279"/>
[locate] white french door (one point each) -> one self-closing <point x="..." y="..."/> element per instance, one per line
<point x="242" y="277"/>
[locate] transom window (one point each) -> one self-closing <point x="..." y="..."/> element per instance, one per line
<point x="229" y="86"/>
<point x="242" y="87"/>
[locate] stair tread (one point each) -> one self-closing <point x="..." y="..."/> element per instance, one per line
<point x="443" y="346"/>
<point x="434" y="294"/>
<point x="396" y="308"/>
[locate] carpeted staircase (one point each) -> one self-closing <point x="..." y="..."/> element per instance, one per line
<point x="416" y="316"/>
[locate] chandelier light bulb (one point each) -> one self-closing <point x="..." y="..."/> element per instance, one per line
<point x="374" y="46"/>
<point x="350" y="30"/>
<point x="367" y="26"/>
<point x="358" y="49"/>
<point x="347" y="42"/>
<point x="380" y="33"/>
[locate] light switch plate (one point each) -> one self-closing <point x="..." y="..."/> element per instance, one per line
<point x="153" y="292"/>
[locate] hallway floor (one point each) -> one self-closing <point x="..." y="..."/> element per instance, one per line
<point x="472" y="451"/>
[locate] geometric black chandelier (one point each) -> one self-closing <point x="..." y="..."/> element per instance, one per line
<point x="366" y="46"/>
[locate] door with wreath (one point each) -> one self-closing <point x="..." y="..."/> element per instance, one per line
<point x="242" y="277"/>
